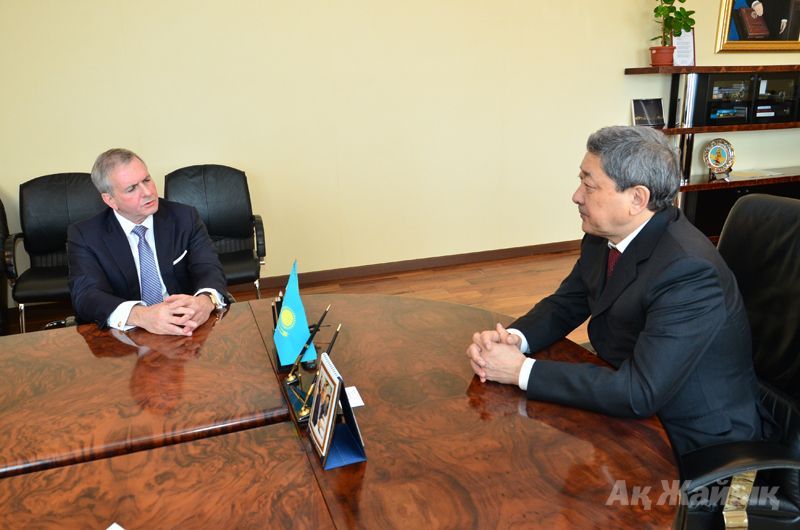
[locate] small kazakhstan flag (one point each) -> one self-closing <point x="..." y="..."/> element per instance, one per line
<point x="292" y="330"/>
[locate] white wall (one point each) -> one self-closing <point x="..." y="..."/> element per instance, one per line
<point x="371" y="131"/>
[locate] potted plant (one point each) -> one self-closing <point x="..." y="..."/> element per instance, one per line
<point x="674" y="21"/>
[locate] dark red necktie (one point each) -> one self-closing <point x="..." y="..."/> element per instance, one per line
<point x="613" y="258"/>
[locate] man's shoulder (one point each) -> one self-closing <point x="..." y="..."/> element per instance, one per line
<point x="95" y="222"/>
<point x="173" y="207"/>
<point x="684" y="247"/>
<point x="685" y="238"/>
<point x="175" y="211"/>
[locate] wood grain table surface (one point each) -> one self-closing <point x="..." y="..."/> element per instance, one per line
<point x="80" y="393"/>
<point x="258" y="478"/>
<point x="446" y="451"/>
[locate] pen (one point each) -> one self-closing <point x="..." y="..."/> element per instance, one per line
<point x="292" y="377"/>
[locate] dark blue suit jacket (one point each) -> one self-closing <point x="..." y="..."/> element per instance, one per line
<point x="102" y="273"/>
<point x="672" y="324"/>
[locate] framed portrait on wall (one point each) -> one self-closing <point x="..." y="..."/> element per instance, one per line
<point x="758" y="25"/>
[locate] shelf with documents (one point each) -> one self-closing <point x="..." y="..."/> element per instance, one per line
<point x="694" y="109"/>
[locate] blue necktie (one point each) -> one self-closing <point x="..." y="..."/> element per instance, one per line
<point x="149" y="280"/>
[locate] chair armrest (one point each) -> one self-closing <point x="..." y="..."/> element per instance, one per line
<point x="10" y="255"/>
<point x="261" y="246"/>
<point x="710" y="464"/>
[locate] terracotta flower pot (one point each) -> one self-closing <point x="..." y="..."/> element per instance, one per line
<point x="661" y="55"/>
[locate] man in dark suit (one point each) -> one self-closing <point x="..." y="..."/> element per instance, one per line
<point x="666" y="313"/>
<point x="145" y="262"/>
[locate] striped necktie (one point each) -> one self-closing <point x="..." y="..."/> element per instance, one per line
<point x="149" y="280"/>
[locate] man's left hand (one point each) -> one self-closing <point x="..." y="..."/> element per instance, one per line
<point x="200" y="304"/>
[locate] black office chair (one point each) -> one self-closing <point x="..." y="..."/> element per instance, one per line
<point x="3" y="295"/>
<point x="47" y="206"/>
<point x="222" y="198"/>
<point x="761" y="244"/>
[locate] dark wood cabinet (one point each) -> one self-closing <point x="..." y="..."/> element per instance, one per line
<point x="707" y="205"/>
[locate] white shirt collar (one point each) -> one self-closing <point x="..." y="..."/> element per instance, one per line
<point x="622" y="245"/>
<point x="128" y="225"/>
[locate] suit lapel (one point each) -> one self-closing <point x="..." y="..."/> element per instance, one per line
<point x="626" y="270"/>
<point x="118" y="246"/>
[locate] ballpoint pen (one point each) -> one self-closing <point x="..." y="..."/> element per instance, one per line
<point x="292" y="377"/>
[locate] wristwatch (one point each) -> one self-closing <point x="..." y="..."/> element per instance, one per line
<point x="214" y="299"/>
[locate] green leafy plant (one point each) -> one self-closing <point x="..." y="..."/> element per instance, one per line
<point x="673" y="20"/>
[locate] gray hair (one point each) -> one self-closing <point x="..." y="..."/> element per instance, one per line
<point x="106" y="163"/>
<point x="639" y="156"/>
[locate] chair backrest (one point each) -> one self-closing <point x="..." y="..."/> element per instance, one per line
<point x="761" y="244"/>
<point x="3" y="295"/>
<point x="221" y="196"/>
<point x="3" y="231"/>
<point x="47" y="206"/>
<point x="3" y="274"/>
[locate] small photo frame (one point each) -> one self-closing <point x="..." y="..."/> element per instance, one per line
<point x="323" y="408"/>
<point x="339" y="443"/>
<point x="648" y="112"/>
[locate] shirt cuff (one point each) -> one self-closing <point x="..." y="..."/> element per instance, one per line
<point x="525" y="373"/>
<point x="523" y="343"/>
<point x="118" y="318"/>
<point x="218" y="300"/>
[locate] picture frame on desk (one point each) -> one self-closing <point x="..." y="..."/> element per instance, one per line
<point x="768" y="26"/>
<point x="338" y="443"/>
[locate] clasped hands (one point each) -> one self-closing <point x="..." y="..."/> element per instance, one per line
<point x="494" y="355"/>
<point x="178" y="314"/>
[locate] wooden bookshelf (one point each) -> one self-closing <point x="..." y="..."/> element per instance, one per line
<point x="712" y="69"/>
<point x="707" y="204"/>
<point x="787" y="175"/>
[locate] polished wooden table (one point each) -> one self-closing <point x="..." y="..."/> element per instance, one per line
<point x="445" y="451"/>
<point x="258" y="478"/>
<point x="78" y="394"/>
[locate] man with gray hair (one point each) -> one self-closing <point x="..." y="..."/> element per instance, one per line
<point x="666" y="312"/>
<point x="145" y="262"/>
